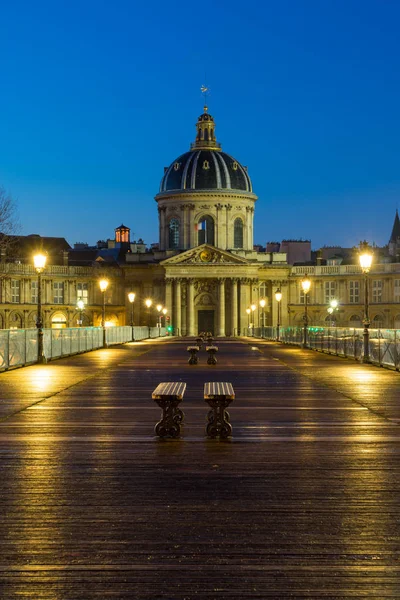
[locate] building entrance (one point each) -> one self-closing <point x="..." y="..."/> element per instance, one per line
<point x="206" y="321"/>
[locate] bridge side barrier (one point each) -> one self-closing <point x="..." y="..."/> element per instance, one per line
<point x="19" y="347"/>
<point x="384" y="344"/>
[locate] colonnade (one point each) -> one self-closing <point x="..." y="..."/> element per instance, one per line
<point x="227" y="297"/>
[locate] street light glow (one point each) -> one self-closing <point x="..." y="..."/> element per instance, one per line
<point x="262" y="303"/>
<point x="148" y="302"/>
<point x="278" y="295"/>
<point x="131" y="297"/>
<point x="103" y="283"/>
<point x="39" y="261"/>
<point x="159" y="307"/>
<point x="305" y="284"/>
<point x="253" y="307"/>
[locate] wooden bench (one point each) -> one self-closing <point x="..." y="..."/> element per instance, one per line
<point x="168" y="396"/>
<point x="193" y="360"/>
<point x="218" y="395"/>
<point x="212" y="351"/>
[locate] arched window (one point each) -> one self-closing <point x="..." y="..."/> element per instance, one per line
<point x="238" y="233"/>
<point x="378" y="321"/>
<point x="355" y="321"/>
<point x="397" y="322"/>
<point x="173" y="237"/>
<point x="263" y="290"/>
<point x="205" y="231"/>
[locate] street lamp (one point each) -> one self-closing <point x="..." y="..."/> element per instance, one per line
<point x="278" y="298"/>
<point x="248" y="318"/>
<point x="365" y="258"/>
<point x="39" y="261"/>
<point x="80" y="305"/>
<point x="103" y="283"/>
<point x="262" y="304"/>
<point x="305" y="286"/>
<point x="333" y="307"/>
<point x="148" y="302"/>
<point x="164" y="312"/>
<point x="131" y="298"/>
<point x="253" y="308"/>
<point x="159" y="309"/>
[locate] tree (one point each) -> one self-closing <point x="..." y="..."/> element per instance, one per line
<point x="9" y="222"/>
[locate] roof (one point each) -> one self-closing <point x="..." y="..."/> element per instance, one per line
<point x="396" y="229"/>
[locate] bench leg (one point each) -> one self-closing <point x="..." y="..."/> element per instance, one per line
<point x="211" y="360"/>
<point x="218" y="419"/>
<point x="171" y="419"/>
<point x="193" y="360"/>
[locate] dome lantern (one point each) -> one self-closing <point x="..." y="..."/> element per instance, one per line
<point x="205" y="138"/>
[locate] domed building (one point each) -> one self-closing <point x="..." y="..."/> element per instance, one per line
<point x="206" y="196"/>
<point x="205" y="270"/>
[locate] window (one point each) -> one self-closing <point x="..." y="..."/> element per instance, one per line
<point x="173" y="238"/>
<point x="34" y="292"/>
<point x="263" y="289"/>
<point x="206" y="233"/>
<point x="82" y="292"/>
<point x="238" y="233"/>
<point x="330" y="291"/>
<point x="397" y="290"/>
<point x="354" y="292"/>
<point x="302" y="295"/>
<point x="377" y="290"/>
<point x="15" y="290"/>
<point x="58" y="289"/>
<point x="378" y="322"/>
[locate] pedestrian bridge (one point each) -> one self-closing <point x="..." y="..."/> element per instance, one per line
<point x="301" y="502"/>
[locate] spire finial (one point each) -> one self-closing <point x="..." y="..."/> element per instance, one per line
<point x="205" y="90"/>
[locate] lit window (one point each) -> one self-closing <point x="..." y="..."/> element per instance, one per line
<point x="397" y="290"/>
<point x="206" y="165"/>
<point x="82" y="292"/>
<point x="354" y="292"/>
<point x="15" y="290"/>
<point x="34" y="292"/>
<point x="58" y="290"/>
<point x="377" y="286"/>
<point x="238" y="233"/>
<point x="330" y="291"/>
<point x="173" y="234"/>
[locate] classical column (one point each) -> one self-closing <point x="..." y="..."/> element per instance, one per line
<point x="234" y="308"/>
<point x="228" y="210"/>
<point x="168" y="296"/>
<point x="192" y="232"/>
<point x="178" y="308"/>
<point x="244" y="303"/>
<point x="190" y="308"/>
<point x="221" y="308"/>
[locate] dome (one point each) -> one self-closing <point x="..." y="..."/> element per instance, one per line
<point x="205" y="166"/>
<point x="206" y="170"/>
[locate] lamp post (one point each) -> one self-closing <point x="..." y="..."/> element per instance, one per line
<point x="248" y="319"/>
<point x="365" y="258"/>
<point x="333" y="307"/>
<point x="103" y="283"/>
<point x="305" y="286"/>
<point x="131" y="298"/>
<point x="262" y="304"/>
<point x="253" y="308"/>
<point x="148" y="302"/>
<point x="164" y="312"/>
<point x="159" y="309"/>
<point x="80" y="305"/>
<point x="278" y="298"/>
<point x="39" y="261"/>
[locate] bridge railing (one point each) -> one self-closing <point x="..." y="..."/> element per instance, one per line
<point x="384" y="344"/>
<point x="19" y="347"/>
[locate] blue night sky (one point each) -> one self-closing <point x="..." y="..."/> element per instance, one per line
<point x="97" y="97"/>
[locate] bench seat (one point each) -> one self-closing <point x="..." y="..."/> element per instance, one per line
<point x="168" y="396"/>
<point x="219" y="395"/>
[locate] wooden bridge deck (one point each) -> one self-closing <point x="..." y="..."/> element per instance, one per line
<point x="302" y="503"/>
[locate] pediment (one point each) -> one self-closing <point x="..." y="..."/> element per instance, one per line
<point x="205" y="255"/>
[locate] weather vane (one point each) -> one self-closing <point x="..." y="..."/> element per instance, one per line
<point x="205" y="90"/>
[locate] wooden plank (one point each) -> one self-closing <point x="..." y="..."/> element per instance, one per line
<point x="170" y="388"/>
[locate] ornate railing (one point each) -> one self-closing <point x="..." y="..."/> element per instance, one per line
<point x="384" y="344"/>
<point x="19" y="347"/>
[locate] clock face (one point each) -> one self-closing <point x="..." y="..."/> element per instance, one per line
<point x="205" y="255"/>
